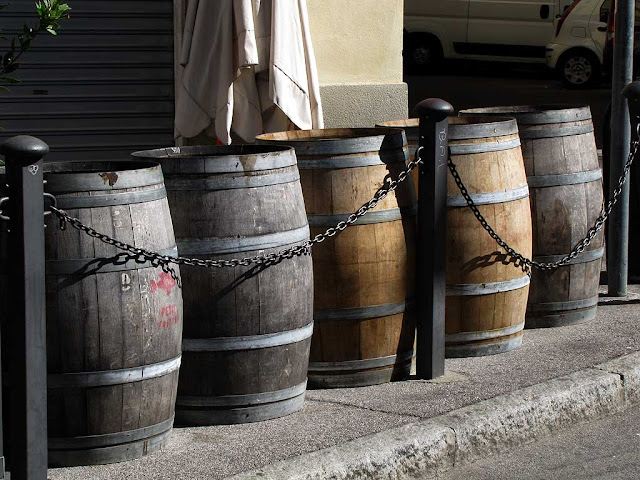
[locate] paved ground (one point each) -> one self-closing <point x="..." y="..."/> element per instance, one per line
<point x="484" y="84"/>
<point x="607" y="449"/>
<point x="333" y="417"/>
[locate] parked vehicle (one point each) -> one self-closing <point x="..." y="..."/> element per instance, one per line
<point x="577" y="51"/>
<point x="607" y="60"/>
<point x="479" y="29"/>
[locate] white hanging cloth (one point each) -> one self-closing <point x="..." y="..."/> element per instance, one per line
<point x="249" y="68"/>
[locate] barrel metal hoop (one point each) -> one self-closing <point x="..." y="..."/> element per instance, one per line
<point x="364" y="364"/>
<point x="96" y="441"/>
<point x="247" y="342"/>
<point x="560" y="318"/>
<point x="180" y="183"/>
<point x="539" y="181"/>
<point x="251" y="413"/>
<point x="538" y="114"/>
<point x="489" y="198"/>
<point x="371" y="141"/>
<point x="67" y="181"/>
<point x="584" y="257"/>
<point x="471" y="148"/>
<point x="375" y="216"/>
<point x="242" y="400"/>
<point x="113" y="377"/>
<point x="498" y="128"/>
<point x="84" y="266"/>
<point x="553" y="131"/>
<point x="381" y="158"/>
<point x="560" y="306"/>
<point x="483" y="335"/>
<point x="467" y="289"/>
<point x="112" y="199"/>
<point x="219" y="246"/>
<point x="501" y="345"/>
<point x="362" y="313"/>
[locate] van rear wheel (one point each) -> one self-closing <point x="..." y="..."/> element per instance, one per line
<point x="422" y="52"/>
<point x="579" y="69"/>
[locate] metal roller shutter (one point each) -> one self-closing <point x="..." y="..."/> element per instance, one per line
<point x="102" y="88"/>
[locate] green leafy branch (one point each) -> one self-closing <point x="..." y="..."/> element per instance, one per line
<point x="50" y="12"/>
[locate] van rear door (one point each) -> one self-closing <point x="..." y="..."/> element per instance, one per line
<point x="510" y="29"/>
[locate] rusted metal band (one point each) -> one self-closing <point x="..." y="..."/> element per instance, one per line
<point x="552" y="131"/>
<point x="490" y="197"/>
<point x="68" y="177"/>
<point x="113" y="377"/>
<point x="483" y="129"/>
<point x="247" y="342"/>
<point x="469" y="289"/>
<point x="540" y="181"/>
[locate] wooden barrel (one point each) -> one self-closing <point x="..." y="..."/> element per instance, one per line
<point x="114" y="324"/>
<point x="247" y="329"/>
<point x="486" y="296"/>
<point x="565" y="181"/>
<point x="411" y="127"/>
<point x="364" y="276"/>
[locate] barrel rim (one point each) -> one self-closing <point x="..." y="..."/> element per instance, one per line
<point x="215" y="159"/>
<point x="101" y="175"/>
<point x="409" y="123"/>
<point x="535" y="114"/>
<point x="339" y="141"/>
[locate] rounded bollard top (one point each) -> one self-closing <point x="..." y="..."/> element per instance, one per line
<point x="23" y="150"/>
<point x="632" y="91"/>
<point x="435" y="108"/>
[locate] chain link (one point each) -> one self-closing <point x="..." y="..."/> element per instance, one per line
<point x="142" y="255"/>
<point x="526" y="263"/>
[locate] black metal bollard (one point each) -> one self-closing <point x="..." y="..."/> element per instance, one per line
<point x="632" y="93"/>
<point x="26" y="332"/>
<point x="432" y="227"/>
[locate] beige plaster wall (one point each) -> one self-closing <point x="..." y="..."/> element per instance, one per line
<point x="357" y="41"/>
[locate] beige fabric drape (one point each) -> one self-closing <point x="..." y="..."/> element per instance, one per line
<point x="249" y="68"/>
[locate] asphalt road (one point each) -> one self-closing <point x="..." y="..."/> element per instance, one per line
<point x="607" y="449"/>
<point x="484" y="84"/>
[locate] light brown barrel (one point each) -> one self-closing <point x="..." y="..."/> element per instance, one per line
<point x="486" y="295"/>
<point x="364" y="276"/>
<point x="247" y="329"/>
<point x="114" y="323"/>
<point x="411" y="127"/>
<point x="565" y="181"/>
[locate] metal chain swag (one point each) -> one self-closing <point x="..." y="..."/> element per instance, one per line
<point x="527" y="263"/>
<point x="142" y="255"/>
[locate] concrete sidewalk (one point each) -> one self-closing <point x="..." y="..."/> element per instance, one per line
<point x="559" y="377"/>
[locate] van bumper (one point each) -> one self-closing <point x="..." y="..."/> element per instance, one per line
<point x="553" y="52"/>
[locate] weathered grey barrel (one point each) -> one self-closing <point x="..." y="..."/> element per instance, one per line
<point x="114" y="323"/>
<point x="364" y="277"/>
<point x="486" y="294"/>
<point x="247" y="329"/>
<point x="565" y="181"/>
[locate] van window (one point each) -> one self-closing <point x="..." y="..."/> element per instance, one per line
<point x="604" y="10"/>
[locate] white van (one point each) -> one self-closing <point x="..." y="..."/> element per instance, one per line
<point x="499" y="30"/>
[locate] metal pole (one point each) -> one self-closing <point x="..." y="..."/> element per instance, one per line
<point x="26" y="332"/>
<point x="432" y="228"/>
<point x="618" y="236"/>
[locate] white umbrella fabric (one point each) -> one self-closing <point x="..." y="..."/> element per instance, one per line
<point x="249" y="68"/>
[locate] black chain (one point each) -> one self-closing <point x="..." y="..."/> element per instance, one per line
<point x="517" y="258"/>
<point x="142" y="255"/>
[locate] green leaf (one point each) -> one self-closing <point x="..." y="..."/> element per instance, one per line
<point x="52" y="31"/>
<point x="4" y="89"/>
<point x="11" y="68"/>
<point x="9" y="80"/>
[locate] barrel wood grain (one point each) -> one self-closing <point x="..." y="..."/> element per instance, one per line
<point x="367" y="266"/>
